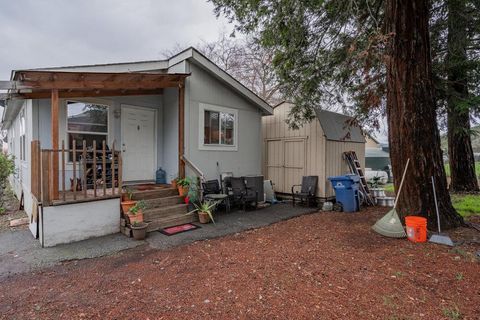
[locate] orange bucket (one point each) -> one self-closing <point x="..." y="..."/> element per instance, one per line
<point x="416" y="228"/>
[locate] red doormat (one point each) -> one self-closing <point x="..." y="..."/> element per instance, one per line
<point x="170" y="231"/>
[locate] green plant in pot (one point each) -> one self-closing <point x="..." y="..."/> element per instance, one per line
<point x="135" y="214"/>
<point x="375" y="188"/>
<point x="183" y="186"/>
<point x="205" y="209"/>
<point x="139" y="230"/>
<point x="127" y="201"/>
<point x="174" y="180"/>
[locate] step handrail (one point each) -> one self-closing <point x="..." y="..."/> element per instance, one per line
<point x="199" y="173"/>
<point x="189" y="163"/>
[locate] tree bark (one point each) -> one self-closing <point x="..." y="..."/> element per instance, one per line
<point x="411" y="111"/>
<point x="460" y="152"/>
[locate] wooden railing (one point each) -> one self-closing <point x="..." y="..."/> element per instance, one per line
<point x="83" y="174"/>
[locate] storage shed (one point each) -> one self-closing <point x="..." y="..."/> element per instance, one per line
<point x="314" y="149"/>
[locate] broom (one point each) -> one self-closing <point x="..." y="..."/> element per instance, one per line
<point x="390" y="225"/>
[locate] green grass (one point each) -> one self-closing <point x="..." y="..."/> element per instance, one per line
<point x="466" y="205"/>
<point x="389" y="187"/>
<point x="477" y="169"/>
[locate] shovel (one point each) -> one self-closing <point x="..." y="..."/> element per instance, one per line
<point x="390" y="225"/>
<point x="439" y="238"/>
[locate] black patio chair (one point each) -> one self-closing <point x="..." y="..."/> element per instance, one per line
<point x="213" y="192"/>
<point x="307" y="191"/>
<point x="211" y="187"/>
<point x="241" y="194"/>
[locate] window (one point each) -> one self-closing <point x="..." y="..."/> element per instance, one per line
<point x="218" y="127"/>
<point x="86" y="121"/>
<point x="22" y="135"/>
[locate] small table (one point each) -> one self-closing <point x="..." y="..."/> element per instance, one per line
<point x="220" y="198"/>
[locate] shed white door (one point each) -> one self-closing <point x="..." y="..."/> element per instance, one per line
<point x="285" y="163"/>
<point x="138" y="143"/>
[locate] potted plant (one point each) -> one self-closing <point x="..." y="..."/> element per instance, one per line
<point x="135" y="214"/>
<point x="205" y="211"/>
<point x="375" y="188"/>
<point x="183" y="185"/>
<point x="127" y="201"/>
<point x="139" y="230"/>
<point x="174" y="180"/>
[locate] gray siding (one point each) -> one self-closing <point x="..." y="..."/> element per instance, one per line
<point x="204" y="88"/>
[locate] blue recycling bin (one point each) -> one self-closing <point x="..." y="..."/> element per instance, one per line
<point x="346" y="191"/>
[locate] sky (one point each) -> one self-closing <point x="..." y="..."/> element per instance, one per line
<point x="49" y="33"/>
<point x="46" y="33"/>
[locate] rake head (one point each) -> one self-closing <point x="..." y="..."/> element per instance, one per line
<point x="390" y="226"/>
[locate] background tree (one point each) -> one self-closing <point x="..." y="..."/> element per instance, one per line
<point x="456" y="39"/>
<point x="343" y="51"/>
<point x="243" y="58"/>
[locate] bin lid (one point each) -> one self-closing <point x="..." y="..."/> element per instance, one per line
<point x="347" y="177"/>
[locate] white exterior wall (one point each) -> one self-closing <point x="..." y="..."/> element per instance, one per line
<point x="201" y="87"/>
<point x="80" y="221"/>
<point x="21" y="179"/>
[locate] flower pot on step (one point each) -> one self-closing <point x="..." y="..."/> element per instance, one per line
<point x="203" y="217"/>
<point x="139" y="230"/>
<point x="135" y="217"/>
<point x="127" y="204"/>
<point x="174" y="183"/>
<point x="183" y="191"/>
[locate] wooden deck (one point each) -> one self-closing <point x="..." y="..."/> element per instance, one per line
<point x="81" y="197"/>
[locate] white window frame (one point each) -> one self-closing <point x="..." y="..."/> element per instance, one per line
<point x="99" y="143"/>
<point x="201" y="127"/>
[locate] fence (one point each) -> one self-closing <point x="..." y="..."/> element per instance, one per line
<point x="75" y="174"/>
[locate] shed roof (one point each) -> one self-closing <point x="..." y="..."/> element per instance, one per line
<point x="336" y="127"/>
<point x="376" y="153"/>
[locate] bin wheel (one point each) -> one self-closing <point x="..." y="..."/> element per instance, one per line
<point x="338" y="207"/>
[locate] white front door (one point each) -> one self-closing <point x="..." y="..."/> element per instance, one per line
<point x="138" y="143"/>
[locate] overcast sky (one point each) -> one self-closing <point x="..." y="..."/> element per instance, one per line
<point x="44" y="33"/>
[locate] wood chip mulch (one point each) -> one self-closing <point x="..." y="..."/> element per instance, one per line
<point x="318" y="266"/>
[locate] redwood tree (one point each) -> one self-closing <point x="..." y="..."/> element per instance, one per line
<point x="460" y="152"/>
<point x="345" y="52"/>
<point x="411" y="111"/>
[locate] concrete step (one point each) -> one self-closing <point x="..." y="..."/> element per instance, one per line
<point x="161" y="223"/>
<point x="159" y="213"/>
<point x="164" y="202"/>
<point x="153" y="194"/>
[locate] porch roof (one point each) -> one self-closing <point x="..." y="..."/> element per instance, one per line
<point x="35" y="84"/>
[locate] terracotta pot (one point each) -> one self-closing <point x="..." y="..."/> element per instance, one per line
<point x="174" y="183"/>
<point x="139" y="231"/>
<point x="183" y="191"/>
<point x="203" y="217"/>
<point x="127" y="204"/>
<point x="137" y="217"/>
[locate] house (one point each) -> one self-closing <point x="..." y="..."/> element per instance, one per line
<point x="377" y="156"/>
<point x="81" y="133"/>
<point x="315" y="149"/>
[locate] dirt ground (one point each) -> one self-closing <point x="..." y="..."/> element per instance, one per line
<point x="11" y="204"/>
<point x="318" y="266"/>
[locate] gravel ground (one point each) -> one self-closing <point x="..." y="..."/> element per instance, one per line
<point x="318" y="266"/>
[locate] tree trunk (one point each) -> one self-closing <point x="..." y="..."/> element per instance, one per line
<point x="411" y="111"/>
<point x="460" y="152"/>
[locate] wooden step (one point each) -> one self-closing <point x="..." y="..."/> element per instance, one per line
<point x="164" y="202"/>
<point x="171" y="221"/>
<point x="158" y="213"/>
<point x="152" y="194"/>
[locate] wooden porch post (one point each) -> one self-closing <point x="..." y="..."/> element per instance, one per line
<point x="55" y="147"/>
<point x="181" y="129"/>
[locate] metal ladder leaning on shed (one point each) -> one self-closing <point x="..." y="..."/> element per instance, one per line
<point x="356" y="168"/>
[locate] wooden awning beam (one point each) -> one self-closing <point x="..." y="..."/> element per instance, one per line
<point x="46" y="80"/>
<point x="85" y="94"/>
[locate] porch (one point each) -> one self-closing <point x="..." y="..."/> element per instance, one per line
<point x="102" y="131"/>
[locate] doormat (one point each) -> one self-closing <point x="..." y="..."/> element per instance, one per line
<point x="170" y="231"/>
